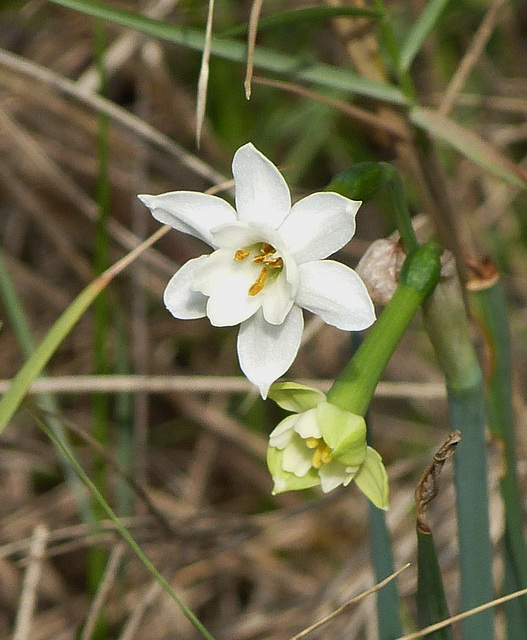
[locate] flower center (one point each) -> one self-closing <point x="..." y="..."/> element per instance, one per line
<point x="263" y="254"/>
<point x="321" y="454"/>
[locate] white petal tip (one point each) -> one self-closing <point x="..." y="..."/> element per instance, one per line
<point x="146" y="199"/>
<point x="264" y="390"/>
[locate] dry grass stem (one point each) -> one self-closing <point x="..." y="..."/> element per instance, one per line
<point x="471" y="57"/>
<point x="254" y="16"/>
<point x="24" y="620"/>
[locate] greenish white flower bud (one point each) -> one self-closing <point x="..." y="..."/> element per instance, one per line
<point x="321" y="444"/>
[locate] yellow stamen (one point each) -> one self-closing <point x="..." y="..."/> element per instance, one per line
<point x="266" y="258"/>
<point x="241" y="254"/>
<point x="267" y="248"/>
<point x="321" y="455"/>
<point x="326" y="455"/>
<point x="273" y="263"/>
<point x="255" y="288"/>
<point x="312" y="443"/>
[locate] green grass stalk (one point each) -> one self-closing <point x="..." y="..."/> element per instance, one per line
<point x="72" y="461"/>
<point x="35" y="364"/>
<point x="388" y="601"/>
<point x="448" y="329"/>
<point x="354" y="390"/>
<point x="236" y="51"/>
<point x="23" y="333"/>
<point x="489" y="308"/>
<point x="431" y="601"/>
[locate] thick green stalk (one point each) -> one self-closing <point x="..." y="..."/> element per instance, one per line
<point x="388" y="601"/>
<point x="448" y="329"/>
<point x="488" y="305"/>
<point x="354" y="389"/>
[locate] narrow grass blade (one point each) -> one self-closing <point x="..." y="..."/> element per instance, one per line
<point x="470" y="145"/>
<point x="305" y="14"/>
<point x="22" y="330"/>
<point x="431" y="601"/>
<point x="432" y="606"/>
<point x="72" y="461"/>
<point x="236" y="51"/>
<point x="40" y="357"/>
<point x="420" y="31"/>
<point x="488" y="304"/>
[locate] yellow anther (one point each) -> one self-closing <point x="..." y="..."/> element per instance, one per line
<point x="312" y="443"/>
<point x="273" y="263"/>
<point x="241" y="254"/>
<point x="255" y="288"/>
<point x="321" y="455"/>
<point x="267" y="248"/>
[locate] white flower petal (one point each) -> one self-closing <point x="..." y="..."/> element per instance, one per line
<point x="307" y="426"/>
<point x="180" y="298"/>
<point x="281" y="435"/>
<point x="230" y="305"/>
<point x="297" y="457"/>
<point x="219" y="267"/>
<point x="226" y="282"/>
<point x="335" y="293"/>
<point x="277" y="300"/>
<point x="332" y="475"/>
<point x="262" y="194"/>
<point x="319" y="225"/>
<point x="190" y="212"/>
<point x="237" y="235"/>
<point x="266" y="351"/>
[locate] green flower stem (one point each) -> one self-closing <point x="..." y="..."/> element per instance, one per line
<point x="488" y="305"/>
<point x="448" y="329"/>
<point x="402" y="215"/>
<point x="354" y="390"/>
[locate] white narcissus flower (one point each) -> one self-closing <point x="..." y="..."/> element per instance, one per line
<point x="321" y="444"/>
<point x="267" y="264"/>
